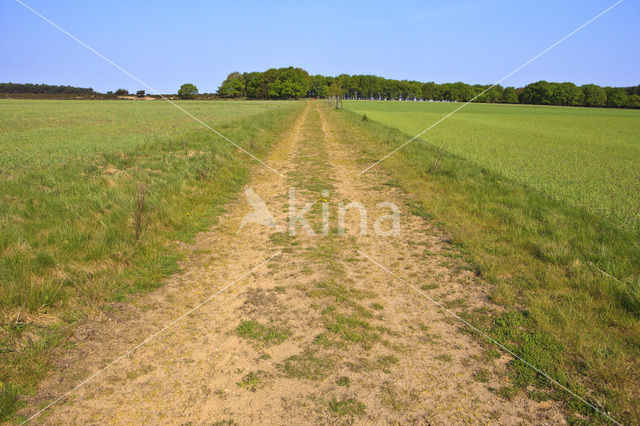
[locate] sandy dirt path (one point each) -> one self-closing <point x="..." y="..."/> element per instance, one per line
<point x="317" y="334"/>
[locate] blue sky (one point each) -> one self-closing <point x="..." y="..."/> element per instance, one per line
<point x="168" y="43"/>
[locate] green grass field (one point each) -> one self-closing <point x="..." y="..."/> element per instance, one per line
<point x="589" y="158"/>
<point x="93" y="194"/>
<point x="42" y="133"/>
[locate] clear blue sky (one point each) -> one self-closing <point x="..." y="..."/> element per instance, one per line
<point x="168" y="43"/>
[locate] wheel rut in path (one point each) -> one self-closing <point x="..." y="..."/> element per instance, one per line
<point x="317" y="335"/>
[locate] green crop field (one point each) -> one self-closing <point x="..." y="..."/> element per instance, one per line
<point x="589" y="158"/>
<point x="567" y="278"/>
<point x="41" y="133"/>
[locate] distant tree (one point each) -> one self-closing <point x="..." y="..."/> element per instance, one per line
<point x="496" y="94"/>
<point x="336" y="91"/>
<point x="448" y="92"/>
<point x="43" y="89"/>
<point x="121" y="92"/>
<point x="492" y="95"/>
<point x="594" y="95"/>
<point x="290" y="83"/>
<point x="319" y="86"/>
<point x="510" y="96"/>
<point x="265" y="80"/>
<point x="141" y="93"/>
<point x="251" y="83"/>
<point x="616" y="97"/>
<point x="538" y="93"/>
<point x="187" y="91"/>
<point x="390" y="89"/>
<point x="368" y="86"/>
<point x="233" y="87"/>
<point x="633" y="90"/>
<point x="634" y="101"/>
<point x="110" y="92"/>
<point x="410" y="90"/>
<point x="566" y="94"/>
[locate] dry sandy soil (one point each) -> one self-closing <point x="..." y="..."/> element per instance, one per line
<point x="297" y="329"/>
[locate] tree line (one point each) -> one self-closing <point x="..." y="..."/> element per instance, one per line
<point x="288" y="83"/>
<point x="296" y="83"/>
<point x="44" y="89"/>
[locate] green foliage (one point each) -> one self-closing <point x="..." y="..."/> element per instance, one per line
<point x="567" y="94"/>
<point x="44" y="88"/>
<point x="510" y="95"/>
<point x="319" y="86"/>
<point x="233" y="87"/>
<point x="540" y="93"/>
<point x="295" y="83"/>
<point x="616" y="97"/>
<point x="290" y="83"/>
<point x="281" y="83"/>
<point x="284" y="83"/>
<point x="187" y="91"/>
<point x="594" y="96"/>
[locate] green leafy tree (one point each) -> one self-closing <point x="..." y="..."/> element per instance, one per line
<point x="251" y="83"/>
<point x="347" y="83"/>
<point x="539" y="93"/>
<point x="187" y="91"/>
<point x="429" y="91"/>
<point x="594" y="95"/>
<point x="290" y="83"/>
<point x="634" y="101"/>
<point x="286" y="83"/>
<point x="265" y="80"/>
<point x="566" y="94"/>
<point x="121" y="92"/>
<point x="141" y="93"/>
<point x="616" y="97"/>
<point x="319" y="86"/>
<point x="632" y="90"/>
<point x="337" y="92"/>
<point x="233" y="87"/>
<point x="510" y="95"/>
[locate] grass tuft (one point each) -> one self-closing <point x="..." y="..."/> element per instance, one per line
<point x="262" y="333"/>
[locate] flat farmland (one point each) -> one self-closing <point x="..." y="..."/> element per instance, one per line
<point x="589" y="158"/>
<point x="118" y="217"/>
<point x="47" y="132"/>
<point x="72" y="173"/>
